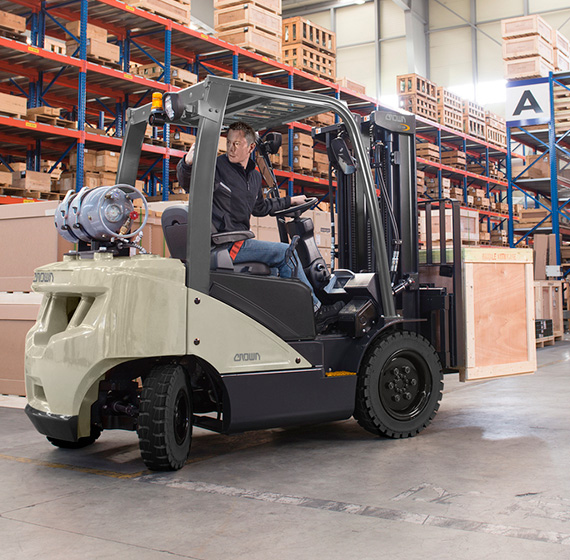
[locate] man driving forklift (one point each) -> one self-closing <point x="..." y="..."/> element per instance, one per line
<point x="237" y="196"/>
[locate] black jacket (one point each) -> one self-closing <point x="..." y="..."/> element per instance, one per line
<point x="237" y="194"/>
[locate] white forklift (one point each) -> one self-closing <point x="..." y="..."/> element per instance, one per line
<point x="159" y="345"/>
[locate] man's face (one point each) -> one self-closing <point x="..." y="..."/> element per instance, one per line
<point x="239" y="149"/>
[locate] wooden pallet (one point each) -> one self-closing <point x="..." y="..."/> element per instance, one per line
<point x="23" y="193"/>
<point x="310" y="60"/>
<point x="545" y="341"/>
<point x="297" y="31"/>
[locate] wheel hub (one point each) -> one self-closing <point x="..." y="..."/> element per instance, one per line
<point x="403" y="386"/>
<point x="181" y="417"/>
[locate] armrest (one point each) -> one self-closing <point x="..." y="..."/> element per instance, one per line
<point x="231" y="237"/>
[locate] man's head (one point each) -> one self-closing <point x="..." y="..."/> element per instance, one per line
<point x="241" y="142"/>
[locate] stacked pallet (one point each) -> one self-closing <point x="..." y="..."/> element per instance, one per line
<point x="255" y="26"/>
<point x="98" y="48"/>
<point x="474" y="119"/>
<point x="494" y="171"/>
<point x="302" y="157"/>
<point x="496" y="129"/>
<point x="527" y="47"/>
<point x="320" y="164"/>
<point x="179" y="77"/>
<point x="449" y="109"/>
<point x="309" y="47"/>
<point x="561" y="109"/>
<point x="561" y="52"/>
<point x="99" y="169"/>
<point x="176" y="10"/>
<point x="420" y="182"/>
<point x="417" y="95"/>
<point x="352" y="85"/>
<point x="20" y="181"/>
<point x="433" y="189"/>
<point x="426" y="150"/>
<point x="454" y="158"/>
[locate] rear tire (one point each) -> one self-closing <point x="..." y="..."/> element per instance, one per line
<point x="399" y="386"/>
<point x="80" y="443"/>
<point x="165" y="419"/>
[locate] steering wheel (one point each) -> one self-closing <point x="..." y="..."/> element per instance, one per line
<point x="293" y="211"/>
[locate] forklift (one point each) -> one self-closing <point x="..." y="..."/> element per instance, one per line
<point x="134" y="341"/>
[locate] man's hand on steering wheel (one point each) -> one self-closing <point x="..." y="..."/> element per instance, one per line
<point x="298" y="200"/>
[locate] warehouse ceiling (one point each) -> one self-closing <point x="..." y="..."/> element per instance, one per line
<point x="292" y="7"/>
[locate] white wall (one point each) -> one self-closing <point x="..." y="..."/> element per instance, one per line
<point x="451" y="55"/>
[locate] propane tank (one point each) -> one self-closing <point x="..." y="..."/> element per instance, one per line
<point x="101" y="214"/>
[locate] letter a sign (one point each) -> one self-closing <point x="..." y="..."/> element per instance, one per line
<point x="528" y="102"/>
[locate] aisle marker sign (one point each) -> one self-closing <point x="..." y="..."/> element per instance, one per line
<point x="528" y="102"/>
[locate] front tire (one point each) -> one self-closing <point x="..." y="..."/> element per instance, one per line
<point x="399" y="386"/>
<point x="165" y="419"/>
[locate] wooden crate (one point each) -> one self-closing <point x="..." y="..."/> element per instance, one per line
<point x="449" y="117"/>
<point x="298" y="30"/>
<point x="496" y="137"/>
<point x="170" y="9"/>
<point x="474" y="127"/>
<point x="561" y="61"/>
<point x="448" y="99"/>
<point x="299" y="150"/>
<point x="531" y="67"/>
<point x="560" y="42"/>
<point x="499" y="313"/>
<point x="473" y="110"/>
<point x="54" y="45"/>
<point x="526" y="25"/>
<point x="352" y="85"/>
<point x="408" y="84"/>
<point x="247" y="78"/>
<point x="254" y="40"/>
<point x="419" y="105"/>
<point x="454" y="158"/>
<point x="323" y="119"/>
<point x="272" y="5"/>
<point x="99" y="51"/>
<point x="310" y="60"/>
<point x="247" y="15"/>
<point x="548" y="302"/>
<point x="522" y="47"/>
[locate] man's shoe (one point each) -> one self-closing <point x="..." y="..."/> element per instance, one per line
<point x="327" y="314"/>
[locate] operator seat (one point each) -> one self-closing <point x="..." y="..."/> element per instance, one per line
<point x="175" y="227"/>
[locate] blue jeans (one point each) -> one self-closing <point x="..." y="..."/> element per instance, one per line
<point x="273" y="255"/>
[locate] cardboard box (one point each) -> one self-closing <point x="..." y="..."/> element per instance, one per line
<point x="13" y="105"/>
<point x="20" y="223"/>
<point x="93" y="31"/>
<point x="32" y="181"/>
<point x="107" y="160"/>
<point x="18" y="313"/>
<point x="5" y="178"/>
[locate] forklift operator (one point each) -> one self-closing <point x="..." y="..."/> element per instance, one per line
<point x="237" y="196"/>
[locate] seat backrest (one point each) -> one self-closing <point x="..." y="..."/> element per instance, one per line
<point x="174" y="222"/>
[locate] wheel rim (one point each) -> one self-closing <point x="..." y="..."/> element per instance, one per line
<point x="181" y="417"/>
<point x="405" y="385"/>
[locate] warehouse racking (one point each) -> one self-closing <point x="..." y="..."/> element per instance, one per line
<point x="551" y="192"/>
<point x="96" y="94"/>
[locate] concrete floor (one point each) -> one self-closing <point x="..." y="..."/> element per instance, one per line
<point x="490" y="478"/>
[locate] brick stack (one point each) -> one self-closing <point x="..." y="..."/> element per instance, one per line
<point x="309" y="47"/>
<point x="98" y="48"/>
<point x="449" y="109"/>
<point x="474" y="120"/>
<point x="255" y="26"/>
<point x="527" y="47"/>
<point x="418" y="95"/>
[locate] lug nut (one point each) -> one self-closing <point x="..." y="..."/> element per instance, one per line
<point x="413" y="382"/>
<point x="396" y="371"/>
<point x="390" y="386"/>
<point x="408" y="396"/>
<point x="396" y="398"/>
<point x="407" y="369"/>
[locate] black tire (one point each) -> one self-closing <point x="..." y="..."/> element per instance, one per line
<point x="80" y="443"/>
<point x="399" y="386"/>
<point x="165" y="419"/>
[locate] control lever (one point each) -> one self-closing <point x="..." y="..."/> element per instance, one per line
<point x="289" y="255"/>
